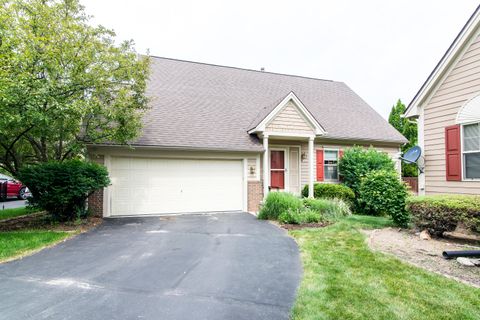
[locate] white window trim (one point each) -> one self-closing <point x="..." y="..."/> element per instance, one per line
<point x="338" y="171"/>
<point x="462" y="153"/>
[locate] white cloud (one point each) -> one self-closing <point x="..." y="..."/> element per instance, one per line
<point x="383" y="50"/>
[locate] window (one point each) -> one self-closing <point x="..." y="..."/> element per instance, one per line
<point x="330" y="165"/>
<point x="471" y="151"/>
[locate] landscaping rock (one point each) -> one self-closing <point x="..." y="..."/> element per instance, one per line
<point x="424" y="235"/>
<point x="466" y="262"/>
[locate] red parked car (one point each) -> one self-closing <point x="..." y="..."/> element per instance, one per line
<point x="11" y="188"/>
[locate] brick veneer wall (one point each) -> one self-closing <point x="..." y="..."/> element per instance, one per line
<point x="255" y="195"/>
<point x="95" y="201"/>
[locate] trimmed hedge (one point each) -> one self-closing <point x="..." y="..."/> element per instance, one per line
<point x="330" y="191"/>
<point x="442" y="213"/>
<point x="277" y="203"/>
<point x="62" y="188"/>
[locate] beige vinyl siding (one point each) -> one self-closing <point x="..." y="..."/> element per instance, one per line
<point x="289" y="119"/>
<point x="461" y="84"/>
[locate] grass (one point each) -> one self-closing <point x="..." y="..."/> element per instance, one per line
<point x="14" y="212"/>
<point x="18" y="243"/>
<point x="344" y="279"/>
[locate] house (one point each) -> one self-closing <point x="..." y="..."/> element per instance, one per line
<point x="447" y="109"/>
<point x="219" y="138"/>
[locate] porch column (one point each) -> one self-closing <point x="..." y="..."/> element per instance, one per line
<point x="311" y="177"/>
<point x="266" y="176"/>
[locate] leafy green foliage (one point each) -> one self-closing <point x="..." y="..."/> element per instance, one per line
<point x="277" y="203"/>
<point x="299" y="216"/>
<point x="357" y="162"/>
<point x="382" y="193"/>
<point x="331" y="209"/>
<point x="442" y="213"/>
<point x="63" y="83"/>
<point x="409" y="130"/>
<point x="330" y="191"/>
<point x="61" y="188"/>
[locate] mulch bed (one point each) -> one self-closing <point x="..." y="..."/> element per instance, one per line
<point x="304" y="225"/>
<point x="42" y="221"/>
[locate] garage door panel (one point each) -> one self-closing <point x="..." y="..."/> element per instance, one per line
<point x="153" y="186"/>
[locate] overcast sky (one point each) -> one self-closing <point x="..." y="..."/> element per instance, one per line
<point x="384" y="50"/>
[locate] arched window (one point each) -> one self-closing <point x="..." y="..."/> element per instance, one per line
<point x="469" y="119"/>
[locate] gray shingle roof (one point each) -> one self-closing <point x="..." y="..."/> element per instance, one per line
<point x="197" y="105"/>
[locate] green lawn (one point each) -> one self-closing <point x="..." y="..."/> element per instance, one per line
<point x="14" y="212"/>
<point x="343" y="279"/>
<point x="17" y="243"/>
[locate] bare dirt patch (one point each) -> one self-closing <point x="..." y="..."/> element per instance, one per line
<point x="426" y="254"/>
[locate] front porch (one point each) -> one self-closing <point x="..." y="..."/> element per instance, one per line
<point x="287" y="165"/>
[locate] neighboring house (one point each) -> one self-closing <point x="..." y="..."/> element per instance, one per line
<point x="219" y="138"/>
<point x="448" y="110"/>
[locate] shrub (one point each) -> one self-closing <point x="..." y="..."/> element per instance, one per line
<point x="442" y="213"/>
<point x="331" y="209"/>
<point x="357" y="162"/>
<point x="331" y="190"/>
<point x="382" y="193"/>
<point x="299" y="216"/>
<point x="61" y="188"/>
<point x="277" y="203"/>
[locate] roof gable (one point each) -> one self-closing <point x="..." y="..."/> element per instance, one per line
<point x="298" y="112"/>
<point x="444" y="66"/>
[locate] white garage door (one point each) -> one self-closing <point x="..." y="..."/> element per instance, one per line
<point x="143" y="186"/>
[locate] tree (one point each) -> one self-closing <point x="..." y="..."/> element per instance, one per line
<point x="409" y="131"/>
<point x="63" y="83"/>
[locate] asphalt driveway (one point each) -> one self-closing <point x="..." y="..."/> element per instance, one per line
<point x="218" y="266"/>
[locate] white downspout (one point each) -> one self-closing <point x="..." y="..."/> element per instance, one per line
<point x="311" y="177"/>
<point x="266" y="180"/>
<point x="421" y="142"/>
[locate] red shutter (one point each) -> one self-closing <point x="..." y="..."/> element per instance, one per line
<point x="319" y="165"/>
<point x="453" y="153"/>
<point x="340" y="153"/>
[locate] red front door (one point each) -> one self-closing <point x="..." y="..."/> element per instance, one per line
<point x="277" y="169"/>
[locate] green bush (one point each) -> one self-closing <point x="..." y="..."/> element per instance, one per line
<point x="299" y="216"/>
<point x="442" y="213"/>
<point x="331" y="209"/>
<point x="277" y="203"/>
<point x="357" y="162"/>
<point x="331" y="190"/>
<point x="383" y="193"/>
<point x="61" y="188"/>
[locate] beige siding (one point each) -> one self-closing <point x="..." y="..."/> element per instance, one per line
<point x="289" y="119"/>
<point x="461" y="84"/>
